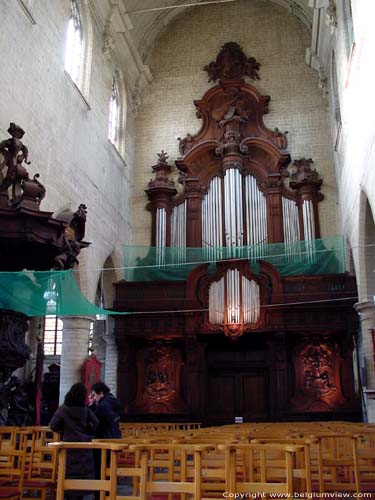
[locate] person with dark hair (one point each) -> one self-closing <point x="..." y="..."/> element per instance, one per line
<point x="76" y="422"/>
<point x="108" y="409"/>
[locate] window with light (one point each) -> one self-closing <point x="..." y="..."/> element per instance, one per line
<point x="114" y="113"/>
<point x="74" y="44"/>
<point x="53" y="328"/>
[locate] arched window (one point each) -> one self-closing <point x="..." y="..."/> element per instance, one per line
<point x="79" y="45"/>
<point x="117" y="112"/>
<point x="74" y="43"/>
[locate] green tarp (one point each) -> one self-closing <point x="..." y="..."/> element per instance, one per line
<point x="37" y="293"/>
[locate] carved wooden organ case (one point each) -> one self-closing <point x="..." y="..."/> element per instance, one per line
<point x="292" y="354"/>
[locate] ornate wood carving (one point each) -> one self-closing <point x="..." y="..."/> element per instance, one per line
<point x="234" y="145"/>
<point x="13" y="350"/>
<point x="317" y="364"/>
<point x="231" y="64"/>
<point x="29" y="237"/>
<point x="159" y="379"/>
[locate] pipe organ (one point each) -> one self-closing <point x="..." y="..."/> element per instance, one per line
<point x="292" y="356"/>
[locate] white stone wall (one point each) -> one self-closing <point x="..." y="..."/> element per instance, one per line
<point x="278" y="41"/>
<point x="355" y="158"/>
<point x="67" y="141"/>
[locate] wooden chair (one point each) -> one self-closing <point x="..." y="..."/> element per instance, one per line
<point x="106" y="485"/>
<point x="263" y="471"/>
<point x="338" y="463"/>
<point x="41" y="464"/>
<point x="171" y="470"/>
<point x="12" y="468"/>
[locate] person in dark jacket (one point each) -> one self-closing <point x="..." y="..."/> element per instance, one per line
<point x="76" y="422"/>
<point x="108" y="409"/>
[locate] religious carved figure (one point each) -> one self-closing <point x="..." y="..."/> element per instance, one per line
<point x="74" y="234"/>
<point x="231" y="64"/>
<point x="159" y="370"/>
<point x="318" y="384"/>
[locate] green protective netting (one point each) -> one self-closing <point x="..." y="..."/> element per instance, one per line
<point x="320" y="256"/>
<point x="38" y="293"/>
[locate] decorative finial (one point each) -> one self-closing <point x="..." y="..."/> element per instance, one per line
<point x="163" y="156"/>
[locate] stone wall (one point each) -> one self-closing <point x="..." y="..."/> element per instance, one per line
<point x="67" y="138"/>
<point x="278" y="41"/>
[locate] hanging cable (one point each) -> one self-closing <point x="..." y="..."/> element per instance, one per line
<point x="170" y="7"/>
<point x="287" y="304"/>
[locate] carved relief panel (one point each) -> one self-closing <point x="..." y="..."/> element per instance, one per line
<point x="159" y="379"/>
<point x="317" y="367"/>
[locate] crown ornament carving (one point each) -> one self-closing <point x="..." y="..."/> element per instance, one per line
<point x="232" y="64"/>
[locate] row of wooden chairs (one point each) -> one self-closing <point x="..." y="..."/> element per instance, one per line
<point x="189" y="471"/>
<point x="138" y="428"/>
<point x="27" y="466"/>
<point x="297" y="457"/>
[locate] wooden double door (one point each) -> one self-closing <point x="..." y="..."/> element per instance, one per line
<point x="236" y="393"/>
<point x="237" y="384"/>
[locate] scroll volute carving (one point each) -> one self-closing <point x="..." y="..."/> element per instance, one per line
<point x="159" y="379"/>
<point x="317" y="365"/>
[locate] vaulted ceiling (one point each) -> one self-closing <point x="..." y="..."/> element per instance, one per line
<point x="135" y="25"/>
<point x="147" y="18"/>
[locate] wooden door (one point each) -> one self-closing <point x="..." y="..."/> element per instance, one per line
<point x="237" y="393"/>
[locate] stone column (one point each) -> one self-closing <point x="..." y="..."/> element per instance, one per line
<point x="111" y="357"/>
<point x="74" y="350"/>
<point x="366" y="311"/>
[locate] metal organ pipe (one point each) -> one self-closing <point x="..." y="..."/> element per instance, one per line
<point x="309" y="228"/>
<point x="250" y="303"/>
<point x="216" y="302"/>
<point x="212" y="232"/>
<point x="178" y="231"/>
<point x="256" y="216"/>
<point x="290" y="226"/>
<point x="233" y="216"/>
<point x="161" y="218"/>
<point x="161" y="235"/>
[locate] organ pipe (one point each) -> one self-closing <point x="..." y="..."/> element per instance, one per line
<point x="291" y="228"/>
<point x="238" y="295"/>
<point x="309" y="228"/>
